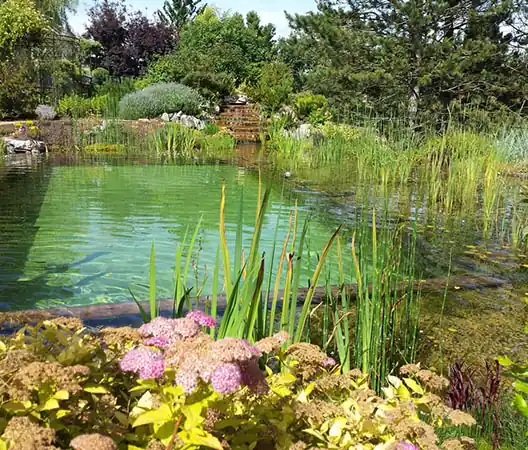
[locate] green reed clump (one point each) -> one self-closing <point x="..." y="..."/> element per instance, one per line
<point x="370" y="324"/>
<point x="174" y="140"/>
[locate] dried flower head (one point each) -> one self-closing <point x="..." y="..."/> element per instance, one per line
<point x="317" y="411"/>
<point x="156" y="445"/>
<point x="92" y="442"/>
<point x="421" y="433"/>
<point x="70" y="323"/>
<point x="463" y="443"/>
<point x="234" y="350"/>
<point x="410" y="369"/>
<point x="146" y="362"/>
<point x="121" y="337"/>
<point x="14" y="360"/>
<point x="457" y="418"/>
<point x="432" y="382"/>
<point x="272" y="344"/>
<point x="24" y="434"/>
<point x="309" y="356"/>
<point x="36" y="374"/>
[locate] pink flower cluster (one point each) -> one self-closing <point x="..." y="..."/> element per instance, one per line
<point x="201" y="318"/>
<point x="227" y="364"/>
<point x="170" y="329"/>
<point x="176" y="329"/>
<point x="146" y="362"/>
<point x="159" y="342"/>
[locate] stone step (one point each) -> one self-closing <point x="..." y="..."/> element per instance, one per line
<point x="238" y="123"/>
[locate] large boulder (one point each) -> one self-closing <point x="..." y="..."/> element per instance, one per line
<point x="303" y="132"/>
<point x="185" y="120"/>
<point x="24" y="146"/>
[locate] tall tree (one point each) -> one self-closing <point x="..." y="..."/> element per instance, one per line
<point x="126" y="42"/>
<point x="177" y="13"/>
<point x="422" y="55"/>
<point x="57" y="12"/>
<point x="216" y="44"/>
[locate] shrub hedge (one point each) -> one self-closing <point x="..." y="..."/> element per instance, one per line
<point x="159" y="98"/>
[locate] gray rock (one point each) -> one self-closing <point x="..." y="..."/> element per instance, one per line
<point x="303" y="132"/>
<point x="236" y="99"/>
<point x="24" y="146"/>
<point x="165" y="117"/>
<point x="188" y="121"/>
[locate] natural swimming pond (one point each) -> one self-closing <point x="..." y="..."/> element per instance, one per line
<point x="82" y="234"/>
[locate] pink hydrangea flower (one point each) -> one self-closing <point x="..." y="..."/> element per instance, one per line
<point x="188" y="380"/>
<point x="146" y="362"/>
<point x="201" y="318"/>
<point x="158" y="327"/>
<point x="155" y="369"/>
<point x="158" y="341"/>
<point x="171" y="329"/>
<point x="226" y="378"/>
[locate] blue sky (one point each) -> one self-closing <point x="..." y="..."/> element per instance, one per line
<point x="269" y="10"/>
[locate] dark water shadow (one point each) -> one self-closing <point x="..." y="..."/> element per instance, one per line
<point x="22" y="193"/>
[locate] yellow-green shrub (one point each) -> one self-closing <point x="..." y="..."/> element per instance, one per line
<point x="61" y="381"/>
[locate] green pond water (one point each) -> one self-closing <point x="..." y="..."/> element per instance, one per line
<point x="82" y="234"/>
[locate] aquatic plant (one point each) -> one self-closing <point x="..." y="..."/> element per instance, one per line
<point x="66" y="386"/>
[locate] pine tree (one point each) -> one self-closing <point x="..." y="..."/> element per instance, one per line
<point x="177" y="13"/>
<point x="420" y="56"/>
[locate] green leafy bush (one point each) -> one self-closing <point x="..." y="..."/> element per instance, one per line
<point x="74" y="106"/>
<point x="312" y="108"/>
<point x="19" y="21"/>
<point x="210" y="129"/>
<point x="274" y="87"/>
<point x="156" y="99"/>
<point x="100" y="76"/>
<point x="99" y="104"/>
<point x="64" y="386"/>
<point x="19" y="95"/>
<point x="210" y="85"/>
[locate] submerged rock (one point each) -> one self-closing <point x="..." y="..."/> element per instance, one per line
<point x="24" y="146"/>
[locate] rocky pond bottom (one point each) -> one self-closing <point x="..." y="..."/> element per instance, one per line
<point x="82" y="234"/>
